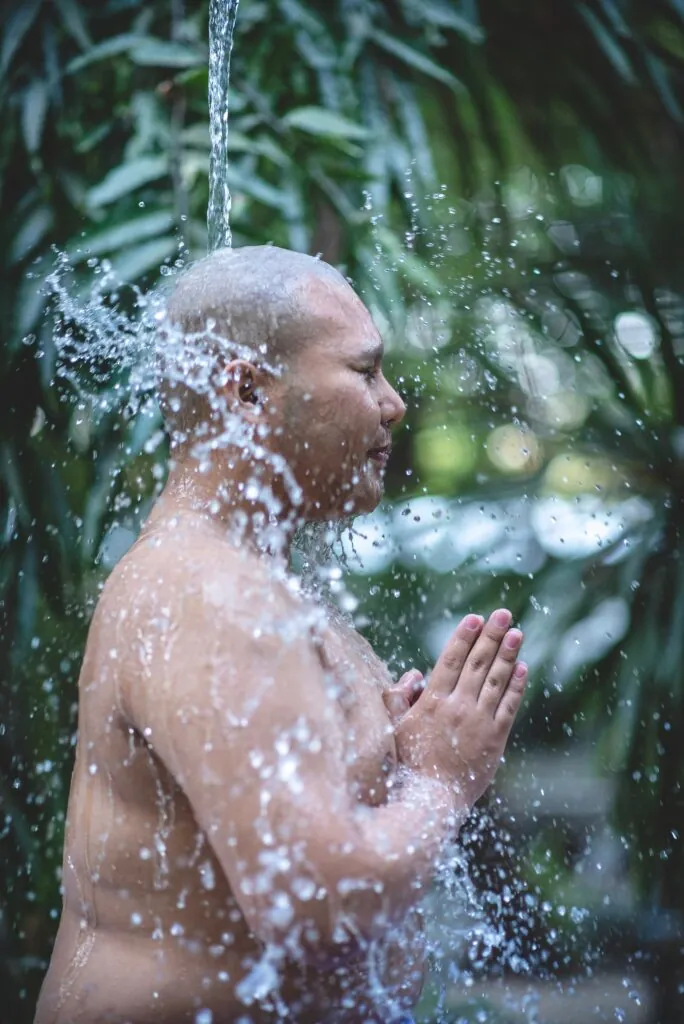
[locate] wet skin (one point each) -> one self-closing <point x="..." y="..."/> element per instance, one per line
<point x="233" y="736"/>
<point x="136" y="866"/>
<point x="147" y="906"/>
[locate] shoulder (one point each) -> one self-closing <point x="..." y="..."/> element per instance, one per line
<point x="190" y="583"/>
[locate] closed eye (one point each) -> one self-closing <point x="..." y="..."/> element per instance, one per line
<point x="370" y="373"/>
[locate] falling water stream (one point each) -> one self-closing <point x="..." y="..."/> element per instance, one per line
<point x="222" y="15"/>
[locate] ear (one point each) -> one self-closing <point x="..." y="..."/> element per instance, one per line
<point x="241" y="384"/>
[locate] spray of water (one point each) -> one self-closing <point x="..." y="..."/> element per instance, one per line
<point x="222" y="15"/>
<point x="98" y="335"/>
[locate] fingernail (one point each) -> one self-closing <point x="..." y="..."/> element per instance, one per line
<point x="520" y="670"/>
<point x="513" y="638"/>
<point x="472" y="622"/>
<point x="502" y="617"/>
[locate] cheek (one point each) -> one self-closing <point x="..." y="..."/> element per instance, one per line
<point x="346" y="414"/>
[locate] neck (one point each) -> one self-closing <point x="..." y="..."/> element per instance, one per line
<point x="244" y="500"/>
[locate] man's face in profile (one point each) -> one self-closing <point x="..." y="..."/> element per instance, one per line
<point x="337" y="407"/>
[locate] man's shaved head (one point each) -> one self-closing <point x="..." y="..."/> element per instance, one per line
<point x="252" y="303"/>
<point x="270" y="371"/>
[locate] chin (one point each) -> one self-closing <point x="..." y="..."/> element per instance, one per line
<point x="367" y="502"/>
<point x="364" y="498"/>
<point x="363" y="505"/>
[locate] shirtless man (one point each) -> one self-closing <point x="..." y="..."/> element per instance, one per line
<point x="256" y="809"/>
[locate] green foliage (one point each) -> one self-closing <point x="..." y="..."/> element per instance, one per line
<point x="487" y="178"/>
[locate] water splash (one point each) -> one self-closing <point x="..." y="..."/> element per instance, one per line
<point x="222" y="15"/>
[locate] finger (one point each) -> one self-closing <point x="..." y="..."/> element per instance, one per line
<point x="446" y="672"/>
<point x="396" y="704"/>
<point x="499" y="675"/>
<point x="400" y="697"/>
<point x="512" y="696"/>
<point x="413" y="684"/>
<point x="481" y="657"/>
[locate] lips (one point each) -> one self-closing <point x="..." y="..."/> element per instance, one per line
<point x="380" y="454"/>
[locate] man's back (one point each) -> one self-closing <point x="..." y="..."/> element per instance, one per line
<point x="150" y="928"/>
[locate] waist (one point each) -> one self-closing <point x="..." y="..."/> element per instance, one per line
<point x="97" y="975"/>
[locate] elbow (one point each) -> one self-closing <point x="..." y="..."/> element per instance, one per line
<point x="323" y="898"/>
<point x="332" y="919"/>
<point x="319" y="930"/>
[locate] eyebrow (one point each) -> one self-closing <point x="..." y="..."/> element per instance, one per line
<point x="373" y="352"/>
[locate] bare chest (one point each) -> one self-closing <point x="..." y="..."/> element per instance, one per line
<point x="360" y="678"/>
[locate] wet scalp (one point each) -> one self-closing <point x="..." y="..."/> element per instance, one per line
<point x="250" y="302"/>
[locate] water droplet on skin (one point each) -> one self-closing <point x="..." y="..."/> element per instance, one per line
<point x="304" y="888"/>
<point x="207" y="876"/>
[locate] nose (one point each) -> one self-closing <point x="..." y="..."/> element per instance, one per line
<point x="392" y="406"/>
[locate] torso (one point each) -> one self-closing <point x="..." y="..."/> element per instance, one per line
<point x="150" y="930"/>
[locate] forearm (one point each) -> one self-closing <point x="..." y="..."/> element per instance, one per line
<point x="375" y="873"/>
<point x="400" y="847"/>
<point x="348" y="884"/>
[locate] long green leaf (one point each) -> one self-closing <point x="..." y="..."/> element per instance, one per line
<point x="612" y="49"/>
<point x="74" y="23"/>
<point x="325" y="123"/>
<point x="108" y="48"/>
<point x="33" y="111"/>
<point x="16" y="28"/>
<point x="122" y="235"/>
<point x="127" y="178"/>
<point x="160" y="53"/>
<point x="442" y="14"/>
<point x="415" y="59"/>
<point x="31" y="233"/>
<point x="139" y="260"/>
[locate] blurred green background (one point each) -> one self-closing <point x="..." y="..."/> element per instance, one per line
<point x="502" y="181"/>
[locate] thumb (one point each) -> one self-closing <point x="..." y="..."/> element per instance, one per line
<point x="400" y="697"/>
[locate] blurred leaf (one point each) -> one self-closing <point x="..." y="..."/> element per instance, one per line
<point x="138" y="260"/>
<point x="660" y="77"/>
<point x="101" y="51"/>
<point x="670" y="37"/>
<point x="93" y="138"/>
<point x="442" y="14"/>
<point x="304" y="17"/>
<point x="408" y="263"/>
<point x="121" y="235"/>
<point x="158" y="52"/>
<point x="34" y="108"/>
<point x="198" y="135"/>
<point x="30" y="234"/>
<point x="416" y="59"/>
<point x="27" y="602"/>
<point x="609" y="45"/>
<point x="16" y="27"/>
<point x="258" y="188"/>
<point x="31" y="300"/>
<point x="318" y="121"/>
<point x="74" y="22"/>
<point x="616" y="17"/>
<point x="126" y="178"/>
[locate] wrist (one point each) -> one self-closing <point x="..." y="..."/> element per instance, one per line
<point x="442" y="795"/>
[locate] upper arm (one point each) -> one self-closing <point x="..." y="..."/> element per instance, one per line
<point x="242" y="716"/>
